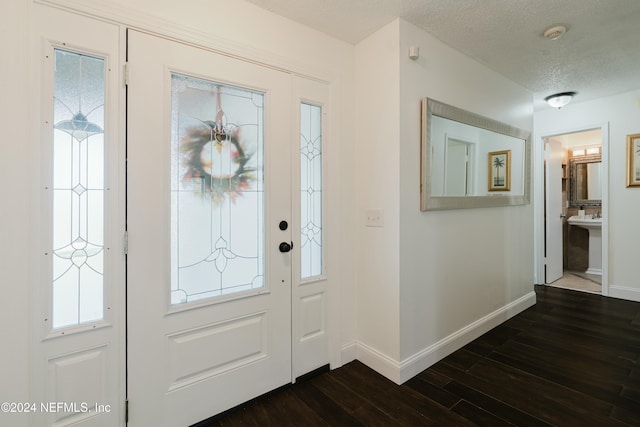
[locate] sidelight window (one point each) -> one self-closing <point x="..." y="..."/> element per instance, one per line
<point x="311" y="236"/>
<point x="78" y="160"/>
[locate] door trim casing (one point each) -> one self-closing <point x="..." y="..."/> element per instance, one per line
<point x="539" y="197"/>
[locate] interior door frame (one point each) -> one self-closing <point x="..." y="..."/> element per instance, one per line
<point x="540" y="198"/>
<point x="470" y="146"/>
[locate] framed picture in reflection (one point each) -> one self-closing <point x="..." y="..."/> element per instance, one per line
<point x="500" y="170"/>
<point x="633" y="160"/>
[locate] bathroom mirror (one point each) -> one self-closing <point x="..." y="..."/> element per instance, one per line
<point x="471" y="161"/>
<point x="585" y="184"/>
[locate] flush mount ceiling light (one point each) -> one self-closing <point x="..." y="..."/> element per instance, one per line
<point x="559" y="100"/>
<point x="554" y="33"/>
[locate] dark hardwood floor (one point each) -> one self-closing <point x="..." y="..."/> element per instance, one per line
<point x="571" y="360"/>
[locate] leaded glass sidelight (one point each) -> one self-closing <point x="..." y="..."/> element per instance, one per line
<point x="311" y="190"/>
<point x="78" y="189"/>
<point x="217" y="192"/>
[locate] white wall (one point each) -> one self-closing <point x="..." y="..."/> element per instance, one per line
<point x="16" y="160"/>
<point x="430" y="281"/>
<point x="378" y="182"/>
<point x="622" y="114"/>
<point x="456" y="266"/>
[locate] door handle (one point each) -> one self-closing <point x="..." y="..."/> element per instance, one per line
<point x="285" y="247"/>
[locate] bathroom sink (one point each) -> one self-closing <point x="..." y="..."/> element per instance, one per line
<point x="587" y="222"/>
<point x="594" y="227"/>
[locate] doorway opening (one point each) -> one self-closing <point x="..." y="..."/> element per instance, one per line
<point x="575" y="203"/>
<point x="459" y="160"/>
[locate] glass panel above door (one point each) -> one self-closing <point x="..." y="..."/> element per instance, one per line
<point x="217" y="189"/>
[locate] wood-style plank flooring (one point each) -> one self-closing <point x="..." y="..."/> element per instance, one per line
<point x="573" y="359"/>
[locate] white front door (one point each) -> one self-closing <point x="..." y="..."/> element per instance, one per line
<point x="554" y="213"/>
<point x="209" y="269"/>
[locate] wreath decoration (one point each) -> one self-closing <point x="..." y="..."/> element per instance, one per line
<point x="193" y="144"/>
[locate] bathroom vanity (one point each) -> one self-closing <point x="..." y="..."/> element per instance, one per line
<point x="594" y="227"/>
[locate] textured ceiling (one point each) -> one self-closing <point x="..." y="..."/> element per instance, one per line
<point x="598" y="56"/>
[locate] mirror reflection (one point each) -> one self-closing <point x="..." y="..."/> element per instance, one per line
<point x="470" y="161"/>
<point x="459" y="162"/>
<point x="585" y="180"/>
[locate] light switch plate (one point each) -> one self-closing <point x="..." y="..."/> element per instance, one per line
<point x="374" y="218"/>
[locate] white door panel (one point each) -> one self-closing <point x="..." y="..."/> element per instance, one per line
<point x="554" y="211"/>
<point x="310" y="292"/>
<point x="77" y="355"/>
<point x="197" y="347"/>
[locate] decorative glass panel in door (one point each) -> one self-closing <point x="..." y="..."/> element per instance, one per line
<point x="217" y="193"/>
<point x="209" y="292"/>
<point x="310" y="190"/>
<point x="78" y="188"/>
<point x="77" y="338"/>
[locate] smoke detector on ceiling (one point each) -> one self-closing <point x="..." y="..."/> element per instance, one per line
<point x="554" y="33"/>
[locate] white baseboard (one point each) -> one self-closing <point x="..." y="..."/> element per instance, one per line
<point x="371" y="357"/>
<point x="420" y="361"/>
<point x="624" y="292"/>
<point x="348" y="352"/>
<point x="379" y="362"/>
<point x="399" y="372"/>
